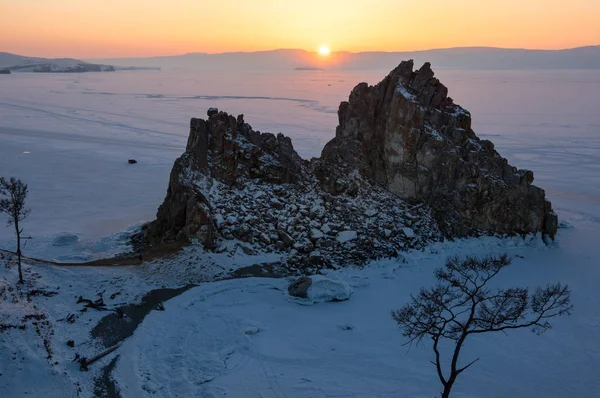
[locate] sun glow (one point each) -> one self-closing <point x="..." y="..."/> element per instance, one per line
<point x="324" y="50"/>
<point x="113" y="28"/>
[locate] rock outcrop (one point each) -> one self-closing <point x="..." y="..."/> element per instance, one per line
<point x="222" y="150"/>
<point x="404" y="169"/>
<point x="408" y="136"/>
<point x="234" y="184"/>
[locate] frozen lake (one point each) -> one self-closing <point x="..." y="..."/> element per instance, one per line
<point x="69" y="136"/>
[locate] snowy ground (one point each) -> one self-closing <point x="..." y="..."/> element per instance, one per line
<point x="69" y="137"/>
<point x="246" y="338"/>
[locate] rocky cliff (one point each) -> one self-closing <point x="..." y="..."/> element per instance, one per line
<point x="404" y="169"/>
<point x="408" y="136"/>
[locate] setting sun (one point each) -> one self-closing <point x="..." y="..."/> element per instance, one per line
<point x="324" y="50"/>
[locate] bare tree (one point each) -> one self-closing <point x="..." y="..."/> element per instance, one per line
<point x="13" y="204"/>
<point x="461" y="304"/>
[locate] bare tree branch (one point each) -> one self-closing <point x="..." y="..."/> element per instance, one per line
<point x="459" y="371"/>
<point x="461" y="304"/>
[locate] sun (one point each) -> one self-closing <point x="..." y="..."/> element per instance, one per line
<point x="324" y="50"/>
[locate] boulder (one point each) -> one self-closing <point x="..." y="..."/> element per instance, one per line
<point x="65" y="239"/>
<point x="324" y="289"/>
<point x="287" y="240"/>
<point x="299" y="287"/>
<point x="319" y="288"/>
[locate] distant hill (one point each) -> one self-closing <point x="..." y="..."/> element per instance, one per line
<point x="482" y="58"/>
<point x="19" y="63"/>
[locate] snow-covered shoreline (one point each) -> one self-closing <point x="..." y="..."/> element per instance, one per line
<point x="246" y="337"/>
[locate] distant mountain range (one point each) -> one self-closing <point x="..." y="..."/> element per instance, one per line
<point x="486" y="58"/>
<point x="476" y="58"/>
<point x="19" y="63"/>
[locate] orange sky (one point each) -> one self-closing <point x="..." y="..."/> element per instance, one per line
<point x="130" y="28"/>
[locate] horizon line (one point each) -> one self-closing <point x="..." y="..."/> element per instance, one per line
<point x="316" y="52"/>
<point x="359" y="52"/>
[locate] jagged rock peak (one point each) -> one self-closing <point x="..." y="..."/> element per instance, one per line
<point x="232" y="148"/>
<point x="408" y="136"/>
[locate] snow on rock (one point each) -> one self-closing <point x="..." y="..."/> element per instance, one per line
<point x="65" y="239"/>
<point x="371" y="212"/>
<point x="319" y="288"/>
<point x="346" y="236"/>
<point x="250" y="330"/>
<point x="408" y="232"/>
<point x="316" y="234"/>
<point x="324" y="289"/>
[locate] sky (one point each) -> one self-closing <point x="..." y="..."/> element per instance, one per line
<point x="137" y="28"/>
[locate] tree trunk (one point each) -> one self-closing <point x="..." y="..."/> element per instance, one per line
<point x="19" y="250"/>
<point x="447" y="388"/>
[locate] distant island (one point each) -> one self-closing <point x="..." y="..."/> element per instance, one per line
<point x="137" y="68"/>
<point x="58" y="68"/>
<point x="17" y="63"/>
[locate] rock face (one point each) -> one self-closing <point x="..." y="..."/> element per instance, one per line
<point x="404" y="169"/>
<point x="220" y="150"/>
<point x="408" y="136"/>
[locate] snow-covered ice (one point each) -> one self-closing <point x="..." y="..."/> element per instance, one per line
<point x="199" y="346"/>
<point x="70" y="136"/>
